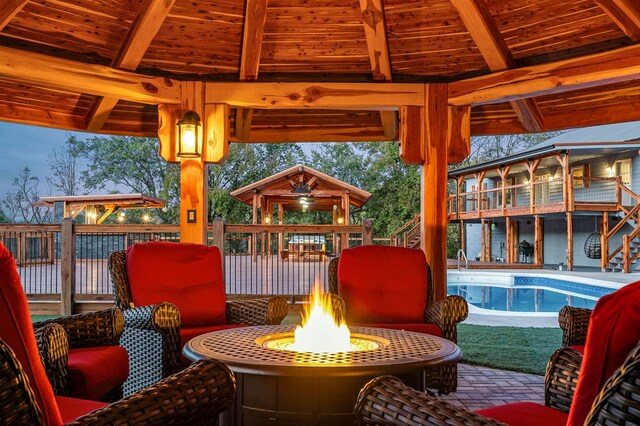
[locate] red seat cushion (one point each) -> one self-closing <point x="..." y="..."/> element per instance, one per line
<point x="96" y="371"/>
<point x="424" y="328"/>
<point x="17" y="332"/>
<point x="579" y="348"/>
<point x="614" y="330"/>
<point x="525" y="414"/>
<point x="382" y="284"/>
<point x="187" y="275"/>
<point x="72" y="408"/>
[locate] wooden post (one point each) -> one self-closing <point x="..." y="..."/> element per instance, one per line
<point x="626" y="252"/>
<point x="280" y="222"/>
<point x="193" y="201"/>
<point x="463" y="237"/>
<point x="538" y="242"/>
<point x="569" y="241"/>
<point x="532" y="166"/>
<point x="489" y="237"/>
<point x="483" y="240"/>
<point x="254" y="221"/>
<point x="367" y="232"/>
<point x="67" y="267"/>
<point x="344" y="238"/>
<point x="218" y="238"/>
<point x="504" y="172"/>
<point x="433" y="200"/>
<point x="604" y="242"/>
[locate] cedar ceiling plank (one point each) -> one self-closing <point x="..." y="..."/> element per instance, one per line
<point x="625" y="13"/>
<point x="144" y="28"/>
<point x="615" y="66"/>
<point x="255" y="17"/>
<point x="375" y="32"/>
<point x="9" y="9"/>
<point x="485" y="33"/>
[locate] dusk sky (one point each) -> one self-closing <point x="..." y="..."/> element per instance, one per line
<point x="28" y="146"/>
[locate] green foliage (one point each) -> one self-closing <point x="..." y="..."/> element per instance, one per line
<point x="3" y="217"/>
<point x="509" y="348"/>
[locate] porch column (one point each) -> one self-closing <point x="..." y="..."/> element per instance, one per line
<point x="569" y="241"/>
<point x="212" y="140"/>
<point x="538" y="241"/>
<point x="604" y="242"/>
<point x="433" y="199"/>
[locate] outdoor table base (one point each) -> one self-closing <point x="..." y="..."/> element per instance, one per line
<point x="277" y="387"/>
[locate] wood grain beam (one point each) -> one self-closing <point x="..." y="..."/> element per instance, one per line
<point x="375" y="32"/>
<point x="9" y="9"/>
<point x="485" y="33"/>
<point x="315" y="134"/>
<point x="615" y="66"/>
<point x="144" y="28"/>
<point x="298" y="95"/>
<point x="76" y="77"/>
<point x="625" y="13"/>
<point x="255" y="17"/>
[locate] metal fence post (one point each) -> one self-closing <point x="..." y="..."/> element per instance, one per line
<point x="68" y="266"/>
<point x="218" y="237"/>
<point x="367" y="232"/>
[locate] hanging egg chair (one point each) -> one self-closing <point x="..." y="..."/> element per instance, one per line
<point x="592" y="245"/>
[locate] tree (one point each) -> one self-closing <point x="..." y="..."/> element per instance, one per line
<point x="19" y="201"/>
<point x="3" y="217"/>
<point x="131" y="163"/>
<point x="64" y="166"/>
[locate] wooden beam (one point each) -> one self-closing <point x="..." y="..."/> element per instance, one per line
<point x="485" y="33"/>
<point x="9" y="9"/>
<point x="298" y="95"/>
<point x="255" y="17"/>
<point x="458" y="134"/>
<point x="341" y="133"/>
<point x="615" y="66"/>
<point x="625" y="13"/>
<point x="375" y="31"/>
<point x="144" y="28"/>
<point x="215" y="147"/>
<point x="412" y="151"/>
<point x="76" y="77"/>
<point x="434" y="179"/>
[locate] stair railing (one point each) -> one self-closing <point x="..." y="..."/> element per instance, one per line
<point x="461" y="255"/>
<point x="395" y="240"/>
<point x="629" y="214"/>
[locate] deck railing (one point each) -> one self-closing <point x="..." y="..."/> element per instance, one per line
<point x="63" y="268"/>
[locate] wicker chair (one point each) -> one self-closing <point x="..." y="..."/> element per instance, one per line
<point x="387" y="401"/>
<point x="75" y="349"/>
<point x="572" y="387"/>
<point x="193" y="396"/>
<point x="384" y="265"/>
<point x="153" y="335"/>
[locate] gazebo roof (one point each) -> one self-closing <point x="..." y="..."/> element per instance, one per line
<point x="286" y="188"/>
<point x="129" y="201"/>
<point x="523" y="65"/>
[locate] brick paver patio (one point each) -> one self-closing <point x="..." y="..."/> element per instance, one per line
<point x="482" y="387"/>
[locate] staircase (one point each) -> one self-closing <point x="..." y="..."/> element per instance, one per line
<point x="625" y="257"/>
<point x="408" y="235"/>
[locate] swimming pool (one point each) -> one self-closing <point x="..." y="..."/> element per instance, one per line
<point x="524" y="293"/>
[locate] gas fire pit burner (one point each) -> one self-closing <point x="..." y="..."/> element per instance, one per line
<point x="284" y="387"/>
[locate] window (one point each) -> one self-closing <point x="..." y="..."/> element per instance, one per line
<point x="578" y="174"/>
<point x="623" y="169"/>
<point x="542" y="189"/>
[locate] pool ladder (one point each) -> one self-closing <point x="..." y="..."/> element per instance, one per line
<point x="461" y="255"/>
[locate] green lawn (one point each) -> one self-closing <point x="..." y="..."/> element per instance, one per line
<point x="36" y="318"/>
<point x="509" y="348"/>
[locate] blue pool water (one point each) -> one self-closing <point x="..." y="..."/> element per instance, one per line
<point x="529" y="294"/>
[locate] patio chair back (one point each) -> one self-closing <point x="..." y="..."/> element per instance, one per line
<point x="17" y="333"/>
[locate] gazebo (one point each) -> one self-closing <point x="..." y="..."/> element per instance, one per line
<point x="427" y="74"/>
<point x="301" y="188"/>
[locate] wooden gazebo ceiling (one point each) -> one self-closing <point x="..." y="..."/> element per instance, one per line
<point x="471" y="44"/>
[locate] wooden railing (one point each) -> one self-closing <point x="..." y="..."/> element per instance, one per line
<point x="632" y="218"/>
<point x="407" y="230"/>
<point x="63" y="267"/>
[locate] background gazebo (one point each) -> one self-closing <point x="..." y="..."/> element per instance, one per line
<point x="300" y="188"/>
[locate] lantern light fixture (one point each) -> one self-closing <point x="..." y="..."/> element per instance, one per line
<point x="188" y="130"/>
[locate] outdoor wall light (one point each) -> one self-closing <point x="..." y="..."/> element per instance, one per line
<point x="267" y="220"/>
<point x="340" y="220"/>
<point x="188" y="129"/>
<point x="146" y="217"/>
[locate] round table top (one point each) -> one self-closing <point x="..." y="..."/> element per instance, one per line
<point x="406" y="351"/>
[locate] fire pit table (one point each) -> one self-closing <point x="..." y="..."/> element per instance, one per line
<point x="282" y="387"/>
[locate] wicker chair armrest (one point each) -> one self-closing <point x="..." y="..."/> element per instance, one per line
<point x="262" y="311"/>
<point x="447" y="313"/>
<point x="385" y="400"/>
<point x="196" y="395"/>
<point x="18" y="404"/>
<point x="574" y="323"/>
<point x="53" y="346"/>
<point x="561" y="378"/>
<point x="100" y="328"/>
<point x="163" y="317"/>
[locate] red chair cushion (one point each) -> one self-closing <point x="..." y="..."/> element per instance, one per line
<point x="187" y="275"/>
<point x="72" y="408"/>
<point x="188" y="333"/>
<point x="525" y="414"/>
<point x="17" y="332"/>
<point x="382" y="284"/>
<point x="579" y="348"/>
<point x="614" y="330"/>
<point x="96" y="371"/>
<point x="424" y="328"/>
